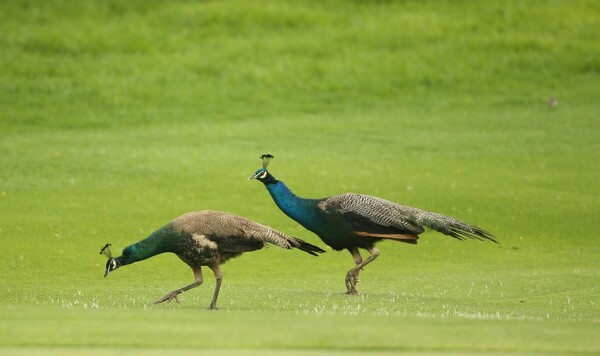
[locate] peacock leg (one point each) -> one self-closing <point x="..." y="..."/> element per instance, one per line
<point x="219" y="277"/>
<point x="351" y="277"/>
<point x="173" y="295"/>
<point x="374" y="251"/>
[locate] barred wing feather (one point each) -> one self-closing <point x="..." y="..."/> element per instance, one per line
<point x="404" y="218"/>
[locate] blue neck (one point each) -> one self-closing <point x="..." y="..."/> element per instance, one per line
<point x="300" y="209"/>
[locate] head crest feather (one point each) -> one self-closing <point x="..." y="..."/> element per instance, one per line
<point x="265" y="159"/>
<point x="106" y="251"/>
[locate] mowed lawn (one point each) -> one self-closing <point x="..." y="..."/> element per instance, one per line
<point x="117" y="117"/>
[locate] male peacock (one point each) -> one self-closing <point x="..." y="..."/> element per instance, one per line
<point x="351" y="221"/>
<point x="205" y="238"/>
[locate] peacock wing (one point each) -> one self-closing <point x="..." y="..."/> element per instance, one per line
<point x="233" y="233"/>
<point x="412" y="220"/>
<point x="365" y="211"/>
<point x="230" y="231"/>
<point x="252" y="230"/>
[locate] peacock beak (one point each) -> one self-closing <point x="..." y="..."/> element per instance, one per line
<point x="107" y="270"/>
<point x="259" y="175"/>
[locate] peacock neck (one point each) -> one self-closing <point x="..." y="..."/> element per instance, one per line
<point x="300" y="209"/>
<point x="156" y="243"/>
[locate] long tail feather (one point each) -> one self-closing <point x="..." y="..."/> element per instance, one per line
<point x="453" y="227"/>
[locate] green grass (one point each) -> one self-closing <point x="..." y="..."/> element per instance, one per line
<point x="117" y="117"/>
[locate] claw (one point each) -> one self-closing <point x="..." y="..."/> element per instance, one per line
<point x="168" y="298"/>
<point x="348" y="281"/>
<point x="351" y="280"/>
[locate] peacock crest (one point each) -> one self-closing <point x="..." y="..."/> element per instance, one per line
<point x="106" y="251"/>
<point x="266" y="158"/>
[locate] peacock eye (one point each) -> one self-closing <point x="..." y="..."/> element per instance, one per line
<point x="113" y="265"/>
<point x="263" y="175"/>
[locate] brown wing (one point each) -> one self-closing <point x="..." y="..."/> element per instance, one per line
<point x="237" y="234"/>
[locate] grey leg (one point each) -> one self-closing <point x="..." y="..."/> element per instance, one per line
<point x="352" y="275"/>
<point x="352" y="278"/>
<point x="173" y="295"/>
<point x="219" y="277"/>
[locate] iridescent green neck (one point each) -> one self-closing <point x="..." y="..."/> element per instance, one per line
<point x="158" y="242"/>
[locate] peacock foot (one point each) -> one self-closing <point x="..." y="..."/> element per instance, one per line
<point x="349" y="284"/>
<point x="351" y="280"/>
<point x="168" y="298"/>
<point x="352" y="289"/>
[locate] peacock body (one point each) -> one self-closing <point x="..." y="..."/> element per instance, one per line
<point x="351" y="221"/>
<point x="205" y="238"/>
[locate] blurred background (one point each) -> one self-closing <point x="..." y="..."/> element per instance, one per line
<point x="116" y="117"/>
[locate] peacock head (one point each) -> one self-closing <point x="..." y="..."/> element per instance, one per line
<point x="114" y="262"/>
<point x="262" y="174"/>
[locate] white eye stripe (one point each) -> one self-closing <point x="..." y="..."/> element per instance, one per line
<point x="113" y="265"/>
<point x="263" y="175"/>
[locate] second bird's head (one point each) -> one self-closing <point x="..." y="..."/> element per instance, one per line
<point x="262" y="174"/>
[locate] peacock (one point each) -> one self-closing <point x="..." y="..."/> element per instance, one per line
<point x="356" y="221"/>
<point x="204" y="238"/>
